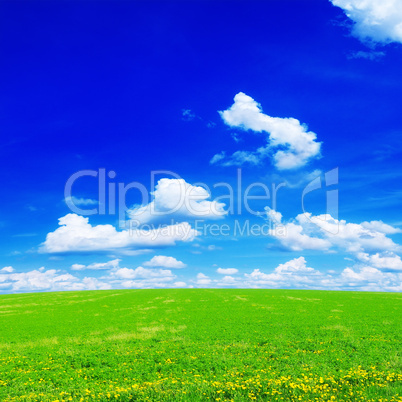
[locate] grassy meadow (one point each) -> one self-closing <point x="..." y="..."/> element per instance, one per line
<point x="201" y="345"/>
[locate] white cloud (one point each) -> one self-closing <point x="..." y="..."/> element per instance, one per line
<point x="7" y="269"/>
<point x="294" y="273"/>
<point x="47" y="280"/>
<point x="78" y="267"/>
<point x="289" y="144"/>
<point x="322" y="232"/>
<point x="143" y="278"/>
<point x="76" y="234"/>
<point x="370" y="279"/>
<point x="365" y="274"/>
<point x="203" y="280"/>
<point x="218" y="157"/>
<point x="175" y="198"/>
<point x="381" y="227"/>
<point x="295" y="265"/>
<point x="212" y="247"/>
<point x="227" y="271"/>
<point x="378" y="21"/>
<point x="94" y="284"/>
<point x="80" y="201"/>
<point x="180" y="284"/>
<point x="386" y="260"/>
<point x="165" y="262"/>
<point x="96" y="265"/>
<point x="228" y="280"/>
<point x="143" y="273"/>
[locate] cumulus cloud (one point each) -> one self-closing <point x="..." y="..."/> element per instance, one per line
<point x="76" y="234"/>
<point x="179" y="200"/>
<point x="143" y="278"/>
<point x="96" y="265"/>
<point x="143" y="273"/>
<point x="385" y="261"/>
<point x="180" y="284"/>
<point x="294" y="273"/>
<point x="323" y="232"/>
<point x="373" y="20"/>
<point x="165" y="262"/>
<point x="47" y="280"/>
<point x="368" y="279"/>
<point x="298" y="274"/>
<point x="227" y="271"/>
<point x="289" y="143"/>
<point x="116" y="277"/>
<point x="7" y="269"/>
<point x="380" y="226"/>
<point x="203" y="280"/>
<point x="89" y="283"/>
<point x="377" y="265"/>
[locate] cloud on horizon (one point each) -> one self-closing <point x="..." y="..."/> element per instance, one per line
<point x="162" y="261"/>
<point x="323" y="232"/>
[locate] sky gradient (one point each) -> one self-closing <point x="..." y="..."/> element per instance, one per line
<point x="273" y="92"/>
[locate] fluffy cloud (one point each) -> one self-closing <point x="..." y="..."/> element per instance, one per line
<point x="115" y="278"/>
<point x="374" y="20"/>
<point x="143" y="278"/>
<point x="7" y="270"/>
<point x="152" y="284"/>
<point x="289" y="144"/>
<point x="203" y="280"/>
<point x="179" y="200"/>
<point x="165" y="262"/>
<point x="143" y="273"/>
<point x="294" y="273"/>
<point x="227" y="271"/>
<point x="386" y="261"/>
<point x="139" y="278"/>
<point x="76" y="234"/>
<point x="295" y="265"/>
<point x="322" y="232"/>
<point x="47" y="280"/>
<point x="96" y="265"/>
<point x="367" y="278"/>
<point x="380" y="226"/>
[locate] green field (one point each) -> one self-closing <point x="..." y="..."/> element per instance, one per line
<point x="200" y="345"/>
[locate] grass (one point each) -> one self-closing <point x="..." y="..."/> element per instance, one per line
<point x="201" y="345"/>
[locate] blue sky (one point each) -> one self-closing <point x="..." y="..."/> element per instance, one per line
<point x="285" y="91"/>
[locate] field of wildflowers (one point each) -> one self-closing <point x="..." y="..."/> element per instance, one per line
<point x="201" y="345"/>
